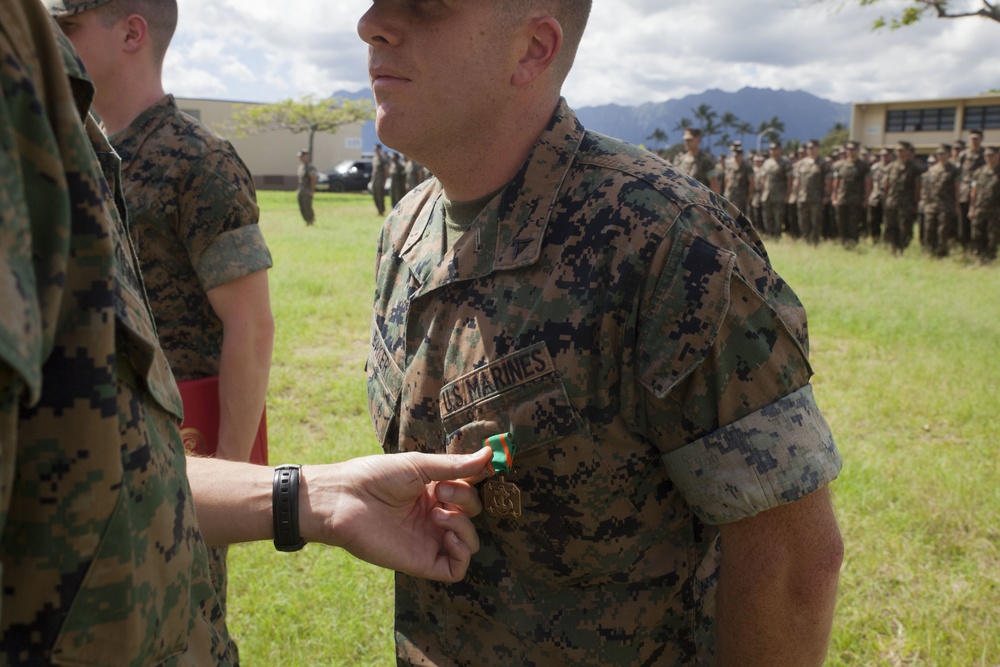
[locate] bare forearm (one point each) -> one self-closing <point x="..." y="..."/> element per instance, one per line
<point x="243" y="375"/>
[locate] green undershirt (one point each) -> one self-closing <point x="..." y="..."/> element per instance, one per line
<point x="459" y="215"/>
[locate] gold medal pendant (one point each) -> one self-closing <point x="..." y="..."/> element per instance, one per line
<point x="502" y="499"/>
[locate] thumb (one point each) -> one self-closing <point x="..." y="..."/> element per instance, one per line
<point x="471" y="467"/>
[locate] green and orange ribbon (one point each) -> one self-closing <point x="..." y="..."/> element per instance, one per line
<point x="503" y="448"/>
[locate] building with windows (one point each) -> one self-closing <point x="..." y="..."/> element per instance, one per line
<point x="926" y="123"/>
<point x="272" y="157"/>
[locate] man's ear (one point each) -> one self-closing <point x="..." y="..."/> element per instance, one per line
<point x="136" y="33"/>
<point x="544" y="42"/>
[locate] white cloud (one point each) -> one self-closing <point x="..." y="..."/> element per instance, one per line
<point x="634" y="51"/>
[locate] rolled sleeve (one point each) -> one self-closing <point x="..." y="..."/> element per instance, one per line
<point x="232" y="255"/>
<point x="770" y="457"/>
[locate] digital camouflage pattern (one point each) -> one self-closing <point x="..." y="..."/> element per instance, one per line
<point x="775" y="175"/>
<point x="194" y="224"/>
<point x="969" y="162"/>
<point x="738" y="178"/>
<point x="851" y="176"/>
<point x="811" y="177"/>
<point x="939" y="193"/>
<point x="623" y="323"/>
<point x="986" y="212"/>
<point x="60" y="8"/>
<point x="700" y="167"/>
<point x="102" y="559"/>
<point x="306" y="173"/>
<point x="902" y="180"/>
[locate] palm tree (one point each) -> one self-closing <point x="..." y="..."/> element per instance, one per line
<point x="658" y="137"/>
<point x="744" y="128"/>
<point x="707" y="117"/>
<point x="683" y="124"/>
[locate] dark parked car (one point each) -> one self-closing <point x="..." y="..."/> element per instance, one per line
<point x="348" y="176"/>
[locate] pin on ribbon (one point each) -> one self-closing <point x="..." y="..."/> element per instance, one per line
<point x="501" y="498"/>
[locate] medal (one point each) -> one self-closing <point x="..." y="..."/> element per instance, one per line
<point x="501" y="498"/>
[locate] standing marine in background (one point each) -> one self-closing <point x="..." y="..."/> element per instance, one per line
<point x="377" y="183"/>
<point x="695" y="162"/>
<point x="307" y="176"/>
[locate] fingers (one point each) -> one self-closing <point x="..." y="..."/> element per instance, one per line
<point x="459" y="495"/>
<point x="460" y="542"/>
<point x="472" y="467"/>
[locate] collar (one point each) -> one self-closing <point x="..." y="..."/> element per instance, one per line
<point x="510" y="231"/>
<point x="129" y="141"/>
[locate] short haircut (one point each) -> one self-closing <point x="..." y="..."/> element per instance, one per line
<point x="571" y="14"/>
<point x="160" y="16"/>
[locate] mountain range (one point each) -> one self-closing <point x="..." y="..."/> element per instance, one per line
<point x="804" y="115"/>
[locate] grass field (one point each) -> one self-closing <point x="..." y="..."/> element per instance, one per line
<point x="907" y="359"/>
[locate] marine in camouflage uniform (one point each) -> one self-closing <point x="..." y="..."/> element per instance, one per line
<point x="739" y="179"/>
<point x="306" y="176"/>
<point x="902" y="192"/>
<point x="695" y="162"/>
<point x="877" y="195"/>
<point x="194" y="225"/>
<point x="851" y="187"/>
<point x="940" y="194"/>
<point x="811" y="187"/>
<point x="776" y="173"/>
<point x="377" y="182"/>
<point x="985" y="206"/>
<point x="969" y="161"/>
<point x="102" y="558"/>
<point x="626" y="328"/>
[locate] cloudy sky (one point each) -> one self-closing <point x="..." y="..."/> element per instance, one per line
<point x="634" y="51"/>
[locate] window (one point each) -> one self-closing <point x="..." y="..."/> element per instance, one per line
<point x="982" y="118"/>
<point x="920" y="120"/>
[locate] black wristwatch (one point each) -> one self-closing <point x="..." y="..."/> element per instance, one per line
<point x="285" y="508"/>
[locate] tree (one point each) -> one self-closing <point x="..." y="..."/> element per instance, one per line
<point x="657" y="137"/>
<point x="305" y="115"/>
<point x="945" y="9"/>
<point x="837" y="135"/>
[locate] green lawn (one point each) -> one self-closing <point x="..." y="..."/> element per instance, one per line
<point x="907" y="359"/>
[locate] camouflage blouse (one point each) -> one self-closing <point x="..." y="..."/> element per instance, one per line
<point x="101" y="556"/>
<point x="623" y="324"/>
<point x="194" y="223"/>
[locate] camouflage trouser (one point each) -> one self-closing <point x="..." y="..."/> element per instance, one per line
<point x="811" y="221"/>
<point x="986" y="233"/>
<point x="875" y="222"/>
<point x="939" y="230"/>
<point x="774" y="217"/>
<point x="898" y="226"/>
<point x="306" y="207"/>
<point x="378" y="194"/>
<point x="850" y="220"/>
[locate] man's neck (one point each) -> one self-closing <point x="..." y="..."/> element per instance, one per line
<point x="122" y="101"/>
<point x="488" y="163"/>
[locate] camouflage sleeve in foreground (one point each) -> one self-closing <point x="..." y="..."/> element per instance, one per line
<point x="102" y="560"/>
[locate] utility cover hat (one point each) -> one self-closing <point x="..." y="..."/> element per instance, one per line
<point x="70" y="7"/>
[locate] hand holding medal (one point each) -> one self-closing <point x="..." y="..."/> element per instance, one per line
<point x="501" y="498"/>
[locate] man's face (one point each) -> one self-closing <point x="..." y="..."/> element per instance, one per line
<point x="993" y="160"/>
<point x="975" y="141"/>
<point x="692" y="144"/>
<point x="438" y="69"/>
<point x="775" y="151"/>
<point x="96" y="45"/>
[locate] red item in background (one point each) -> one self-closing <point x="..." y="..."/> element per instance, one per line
<point x="200" y="429"/>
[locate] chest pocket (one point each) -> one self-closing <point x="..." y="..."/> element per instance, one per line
<point x="577" y="524"/>
<point x="385" y="384"/>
